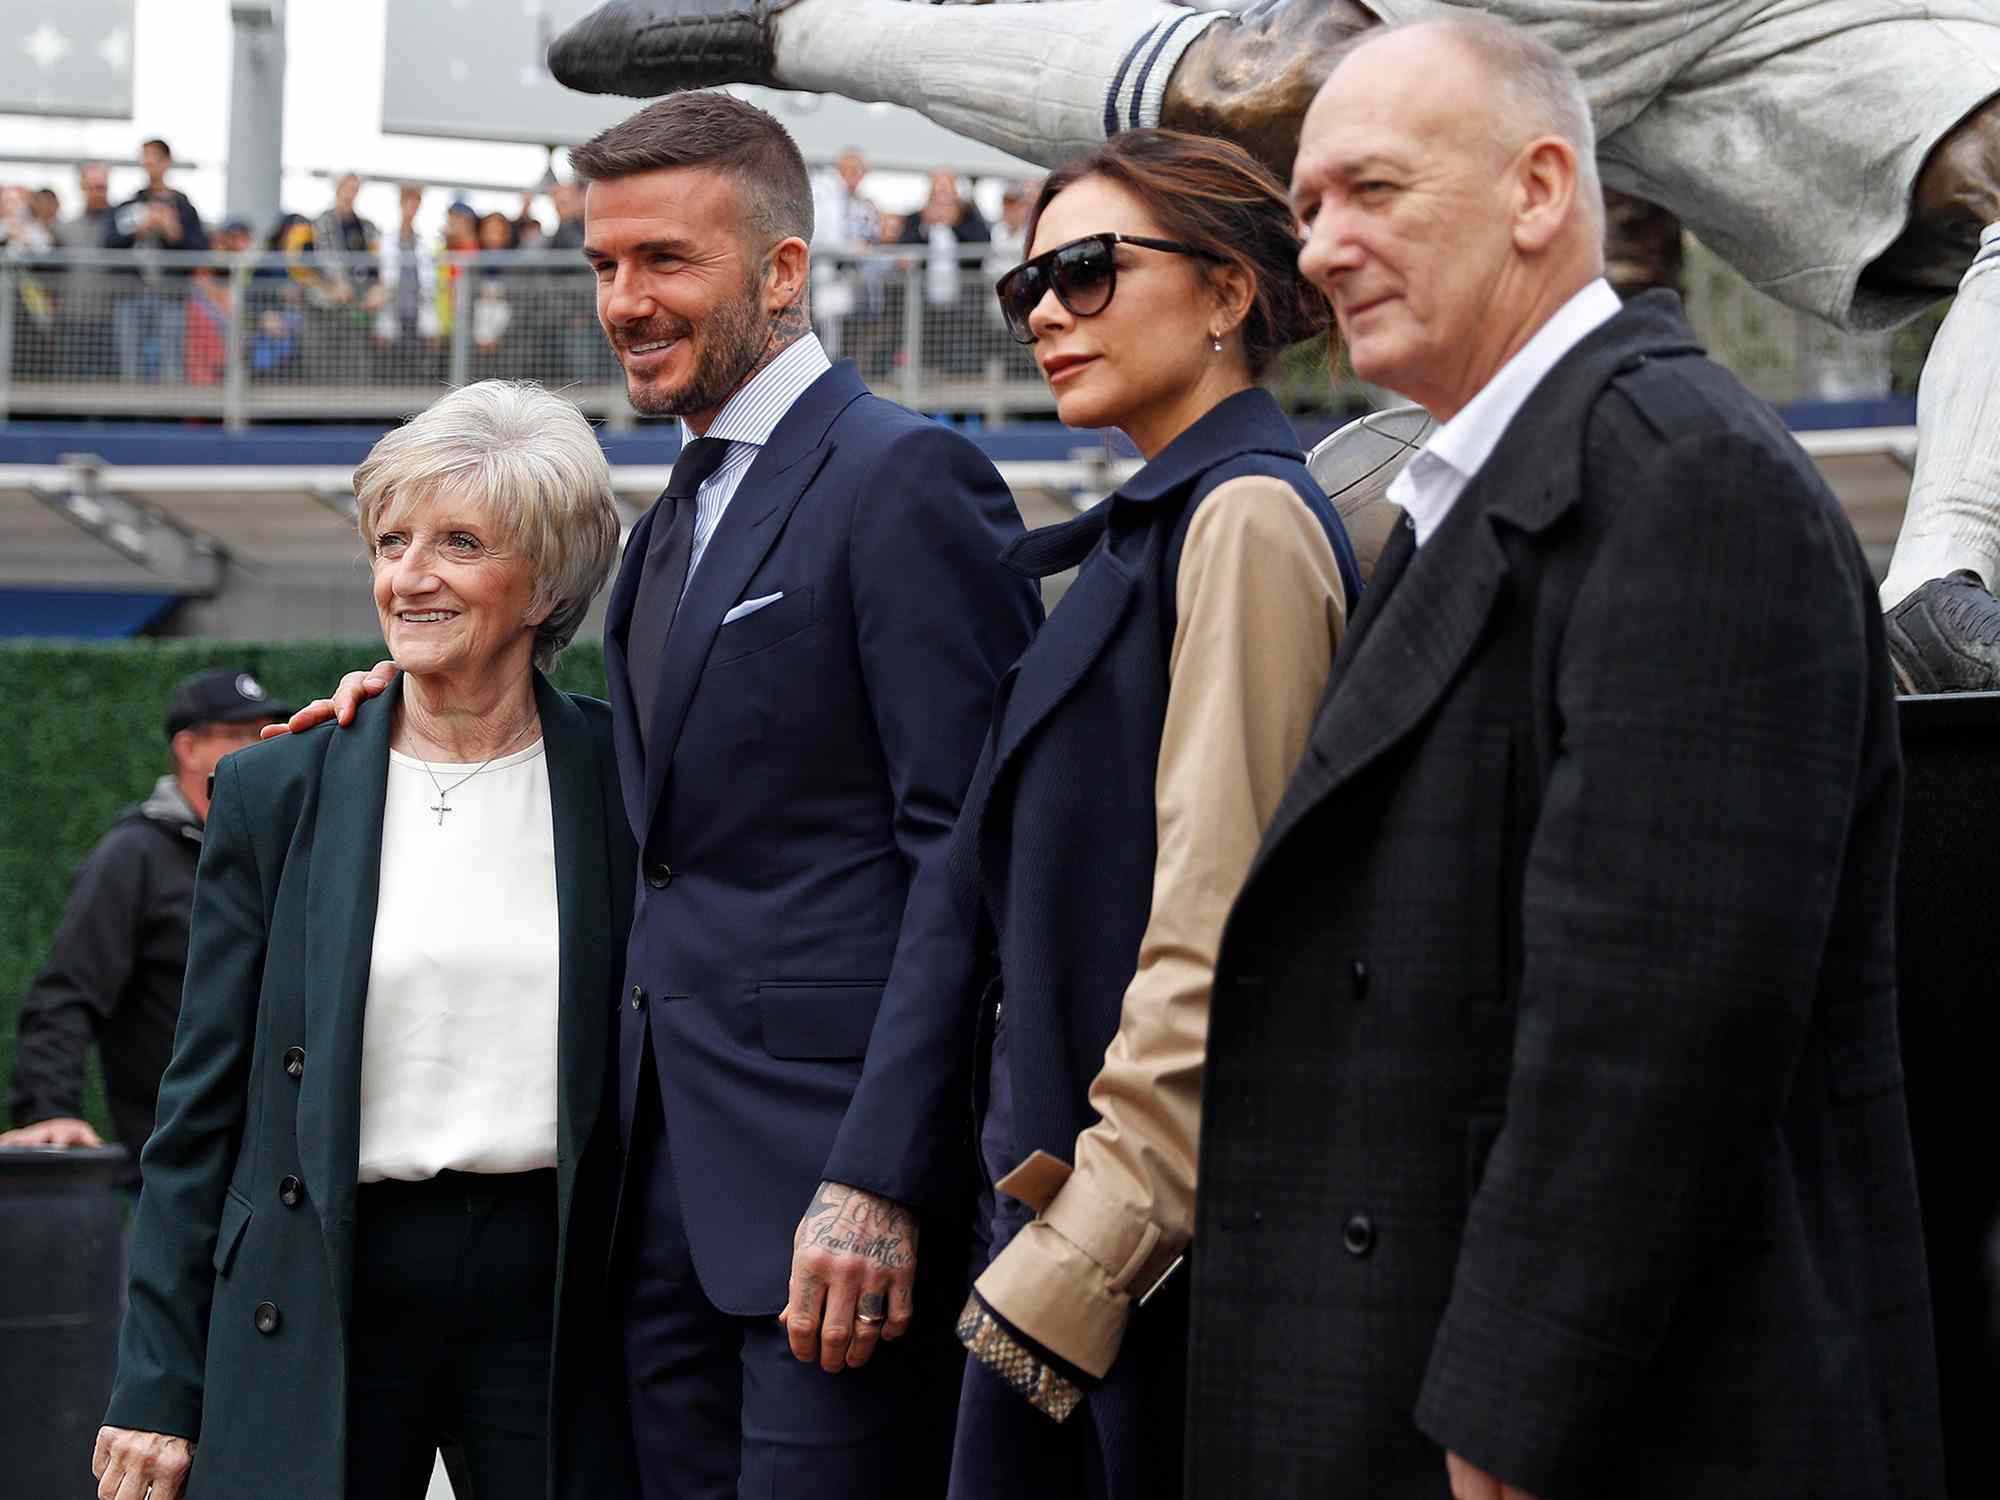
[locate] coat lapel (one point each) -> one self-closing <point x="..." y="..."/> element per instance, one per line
<point x="1410" y="644"/>
<point x="583" y="906"/>
<point x="342" y="884"/>
<point x="756" y="516"/>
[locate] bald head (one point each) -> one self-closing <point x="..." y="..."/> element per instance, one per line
<point x="1446" y="175"/>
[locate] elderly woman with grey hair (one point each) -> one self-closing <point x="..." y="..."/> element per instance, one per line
<point x="377" y="1201"/>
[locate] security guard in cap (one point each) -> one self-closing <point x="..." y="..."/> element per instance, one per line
<point x="114" y="970"/>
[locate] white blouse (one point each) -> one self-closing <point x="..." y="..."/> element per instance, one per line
<point x="458" y="1050"/>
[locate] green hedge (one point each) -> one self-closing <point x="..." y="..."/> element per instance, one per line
<point x="82" y="734"/>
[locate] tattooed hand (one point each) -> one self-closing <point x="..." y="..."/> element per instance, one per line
<point x="854" y="1264"/>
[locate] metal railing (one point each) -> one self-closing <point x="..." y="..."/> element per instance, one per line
<point x="268" y="337"/>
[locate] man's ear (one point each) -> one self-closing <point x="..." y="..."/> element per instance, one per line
<point x="785" y="278"/>
<point x="181" y="747"/>
<point x="1545" y="182"/>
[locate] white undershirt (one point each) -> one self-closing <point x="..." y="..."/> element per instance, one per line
<point x="458" y="1048"/>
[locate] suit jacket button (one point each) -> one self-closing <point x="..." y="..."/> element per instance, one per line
<point x="290" y="1191"/>
<point x="638" y="997"/>
<point x="266" y="1317"/>
<point x="295" y="1061"/>
<point x="659" y="877"/>
<point x="1358" y="1235"/>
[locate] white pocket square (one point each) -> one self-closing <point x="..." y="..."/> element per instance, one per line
<point x="751" y="606"/>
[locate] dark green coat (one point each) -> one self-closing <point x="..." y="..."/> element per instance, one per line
<point x="265" y="1085"/>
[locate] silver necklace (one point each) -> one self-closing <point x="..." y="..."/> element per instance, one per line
<point x="441" y="806"/>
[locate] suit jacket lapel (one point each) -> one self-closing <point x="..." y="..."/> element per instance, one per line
<point x="342" y="883"/>
<point x="583" y="905"/>
<point x="624" y="716"/>
<point x="756" y="516"/>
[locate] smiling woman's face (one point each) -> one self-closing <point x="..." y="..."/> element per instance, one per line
<point x="454" y="593"/>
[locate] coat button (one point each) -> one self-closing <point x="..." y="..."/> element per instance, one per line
<point x="266" y="1317"/>
<point x="295" y="1061"/>
<point x="290" y="1191"/>
<point x="659" y="877"/>
<point x="638" y="997"/>
<point x="1358" y="1235"/>
<point x="1359" y="974"/>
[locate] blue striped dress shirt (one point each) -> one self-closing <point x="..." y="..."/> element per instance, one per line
<point x="746" y="422"/>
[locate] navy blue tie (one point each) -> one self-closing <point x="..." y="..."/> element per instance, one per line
<point x="663" y="577"/>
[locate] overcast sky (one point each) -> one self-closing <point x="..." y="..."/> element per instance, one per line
<point x="333" y="113"/>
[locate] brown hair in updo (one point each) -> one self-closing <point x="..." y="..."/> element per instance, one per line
<point x="1214" y="196"/>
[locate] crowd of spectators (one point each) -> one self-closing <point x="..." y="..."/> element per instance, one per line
<point x="334" y="298"/>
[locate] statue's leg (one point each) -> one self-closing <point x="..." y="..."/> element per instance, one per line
<point x="1039" y="81"/>
<point x="1953" y="519"/>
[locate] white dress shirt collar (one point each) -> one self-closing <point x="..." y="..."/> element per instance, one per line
<point x="753" y="413"/>
<point x="1431" y="482"/>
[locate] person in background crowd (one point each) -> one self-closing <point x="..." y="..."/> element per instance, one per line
<point x="568" y="200"/>
<point x="1010" y="244"/>
<point x="492" y="300"/>
<point x="376" y="1207"/>
<point x="947" y="223"/>
<point x="83" y="316"/>
<point x="461" y="243"/>
<point x="114" y="969"/>
<point x="407" y="328"/>
<point x="529" y="232"/>
<point x="336" y="261"/>
<point x="1554" y="1138"/>
<point x="147" y="318"/>
<point x="24" y="234"/>
<point x="1139" y="751"/>
<point x="210" y="305"/>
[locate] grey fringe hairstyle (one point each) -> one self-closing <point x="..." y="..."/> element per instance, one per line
<point x="529" y="457"/>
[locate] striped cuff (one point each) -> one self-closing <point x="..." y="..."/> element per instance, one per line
<point x="1140" y="84"/>
<point x="1015" y="1366"/>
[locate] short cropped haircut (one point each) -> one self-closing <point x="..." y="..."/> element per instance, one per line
<point x="705" y="128"/>
<point x="1542" y="93"/>
<point x="531" y="459"/>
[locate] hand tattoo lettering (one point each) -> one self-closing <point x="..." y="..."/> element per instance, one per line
<point x="848" y="1221"/>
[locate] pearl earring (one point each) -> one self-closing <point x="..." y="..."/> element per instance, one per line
<point x="1216" y="339"/>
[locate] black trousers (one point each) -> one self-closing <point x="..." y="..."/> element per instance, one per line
<point x="454" y="1299"/>
<point x="720" y="1408"/>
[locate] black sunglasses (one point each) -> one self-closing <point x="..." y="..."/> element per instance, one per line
<point x="1082" y="273"/>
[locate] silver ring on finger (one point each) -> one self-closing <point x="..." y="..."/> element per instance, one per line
<point x="870" y="1318"/>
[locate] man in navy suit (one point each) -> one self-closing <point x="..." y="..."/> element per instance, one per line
<point x="802" y="646"/>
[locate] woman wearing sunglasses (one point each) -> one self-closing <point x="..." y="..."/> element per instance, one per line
<point x="1137" y="752"/>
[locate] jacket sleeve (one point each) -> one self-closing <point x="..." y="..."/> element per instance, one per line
<point x="82" y="982"/>
<point x="939" y="620"/>
<point x="1260" y="611"/>
<point x="186" y="1165"/>
<point x="1712" y="686"/>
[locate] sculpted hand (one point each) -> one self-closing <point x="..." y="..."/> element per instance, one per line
<point x="353" y="689"/>
<point x="854" y="1267"/>
<point x="1468" y="1483"/>
<point x="129" y="1464"/>
<point x="63" y="1130"/>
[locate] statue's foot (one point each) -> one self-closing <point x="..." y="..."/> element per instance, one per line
<point x="1945" y="638"/>
<point x="642" y="48"/>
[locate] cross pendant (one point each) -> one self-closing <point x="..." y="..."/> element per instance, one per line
<point x="441" y="807"/>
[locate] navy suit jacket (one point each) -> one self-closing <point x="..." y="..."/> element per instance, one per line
<point x="794" y="950"/>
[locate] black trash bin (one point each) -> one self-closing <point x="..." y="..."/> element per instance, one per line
<point x="1948" y="972"/>
<point x="62" y="1272"/>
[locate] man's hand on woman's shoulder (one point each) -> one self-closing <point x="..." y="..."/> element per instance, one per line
<point x="353" y="689"/>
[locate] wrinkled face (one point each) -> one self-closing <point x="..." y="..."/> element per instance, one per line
<point x="680" y="290"/>
<point x="1403" y="193"/>
<point x="454" y="593"/>
<point x="1138" y="358"/>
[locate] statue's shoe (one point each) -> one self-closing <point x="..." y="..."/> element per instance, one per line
<point x="1945" y="638"/>
<point x="646" y="47"/>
